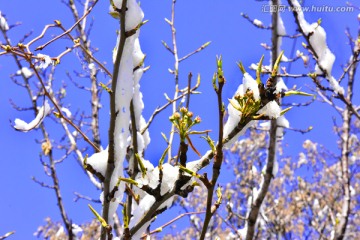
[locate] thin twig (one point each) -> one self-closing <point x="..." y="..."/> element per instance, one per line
<point x="42" y="183"/>
<point x="160" y="109"/>
<point x="42" y="34"/>
<point x="59" y="113"/>
<point x="261" y="26"/>
<point x="202" y="47"/>
<point x="218" y="160"/>
<point x="7" y="235"/>
<point x="188" y="91"/>
<point x="175" y="72"/>
<point x="316" y="57"/>
<point x="53" y="174"/>
<point x="70" y="29"/>
<point x="87" y="51"/>
<point x="80" y="196"/>
<point x="159" y="229"/>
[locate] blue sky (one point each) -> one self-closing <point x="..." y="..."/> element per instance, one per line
<point x="24" y="204"/>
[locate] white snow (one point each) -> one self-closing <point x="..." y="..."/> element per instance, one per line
<point x="253" y="66"/>
<point x="275" y="167"/>
<point x="258" y="23"/>
<point x="317" y="40"/>
<point x="21" y="125"/>
<point x="196" y="165"/>
<point x="282" y="122"/>
<point x="249" y="83"/>
<point x="138" y="108"/>
<point x="271" y="109"/>
<point x="91" y="66"/>
<point x="284" y="58"/>
<point x="115" y="48"/>
<point x="335" y="85"/>
<point x="67" y="112"/>
<point x="123" y="95"/>
<point x="60" y="232"/>
<point x="45" y="61"/>
<point x="3" y="23"/>
<point x="138" y="55"/>
<point x="151" y="178"/>
<point x="265" y="125"/>
<point x="76" y="229"/>
<point x="144" y="206"/>
<point x="25" y="71"/>
<point x="134" y="14"/>
<point x="233" y="119"/>
<point x="171" y="173"/>
<point x="281" y="31"/>
<point x="231" y="141"/>
<point x="326" y="61"/>
<point x="168" y="203"/>
<point x="280" y="85"/>
<point x="280" y="25"/>
<point x="99" y="161"/>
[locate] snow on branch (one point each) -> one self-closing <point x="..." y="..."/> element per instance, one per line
<point x="3" y="23"/>
<point x="254" y="101"/>
<point x="128" y="59"/>
<point x="316" y="37"/>
<point x="22" y="126"/>
<point x="124" y="92"/>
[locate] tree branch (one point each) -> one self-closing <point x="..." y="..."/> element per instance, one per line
<point x="111" y="156"/>
<point x="256" y="205"/>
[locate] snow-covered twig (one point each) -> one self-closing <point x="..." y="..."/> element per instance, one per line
<point x="122" y="88"/>
<point x="22" y="126"/>
<point x="315" y="36"/>
<point x="257" y="23"/>
<point x="7" y="235"/>
<point x="324" y="58"/>
<point x="52" y="167"/>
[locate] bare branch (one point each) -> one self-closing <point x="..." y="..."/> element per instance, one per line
<point x="69" y="30"/>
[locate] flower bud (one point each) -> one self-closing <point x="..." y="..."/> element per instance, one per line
<point x="183" y="110"/>
<point x="176" y="115"/>
<point x="197" y="119"/>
